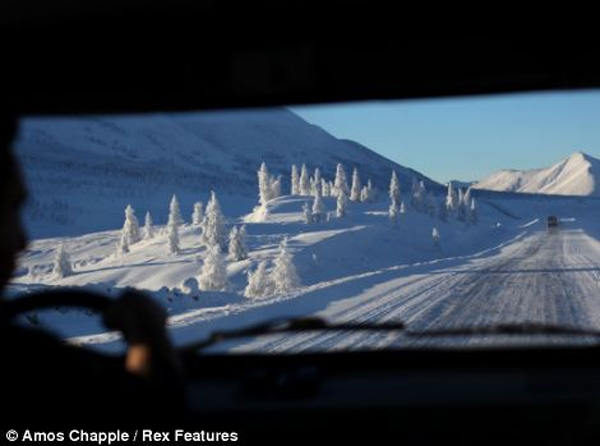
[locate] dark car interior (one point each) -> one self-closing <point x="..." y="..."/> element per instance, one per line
<point x="122" y="57"/>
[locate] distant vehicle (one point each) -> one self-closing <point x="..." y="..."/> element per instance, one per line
<point x="551" y="223"/>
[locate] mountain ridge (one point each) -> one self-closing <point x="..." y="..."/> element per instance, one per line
<point x="577" y="174"/>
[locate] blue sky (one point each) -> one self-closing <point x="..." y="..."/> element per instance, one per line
<point x="469" y="138"/>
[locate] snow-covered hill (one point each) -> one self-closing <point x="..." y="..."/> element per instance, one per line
<point x="83" y="171"/>
<point x="578" y="174"/>
<point x="326" y="255"/>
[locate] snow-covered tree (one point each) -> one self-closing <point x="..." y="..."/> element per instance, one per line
<point x="284" y="276"/>
<point x="451" y="199"/>
<point x="368" y="193"/>
<point x="259" y="282"/>
<point x="340" y="182"/>
<point x="435" y="236"/>
<point x="356" y="186"/>
<point x="318" y="209"/>
<point x="342" y="203"/>
<point x="148" y="226"/>
<point x="393" y="212"/>
<point x="315" y="182"/>
<point x="276" y="187"/>
<point x="304" y="181"/>
<point x="473" y="218"/>
<point x="264" y="185"/>
<point x="402" y="208"/>
<point x="213" y="276"/>
<point x="467" y="197"/>
<point x="462" y="206"/>
<point x="198" y="214"/>
<point x="62" y="263"/>
<point x="237" y="244"/>
<point x="123" y="245"/>
<point x="419" y="197"/>
<point x="173" y="223"/>
<point x="173" y="236"/>
<point x="213" y="225"/>
<point x="307" y="213"/>
<point x="295" y="181"/>
<point x="174" y="211"/>
<point x="395" y="197"/>
<point x="131" y="227"/>
<point x="325" y="192"/>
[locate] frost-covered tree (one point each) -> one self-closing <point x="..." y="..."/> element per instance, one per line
<point x="213" y="276"/>
<point x="123" y="245"/>
<point x="393" y="212"/>
<point x="342" y="204"/>
<point x="131" y="227"/>
<point x="462" y="206"/>
<point x="174" y="211"/>
<point x="315" y="183"/>
<point x="62" y="263"/>
<point x="304" y="181"/>
<point x="356" y="186"/>
<point x="264" y="184"/>
<point x="295" y="181"/>
<point x="419" y="197"/>
<point x="363" y="194"/>
<point x="435" y="237"/>
<point x="173" y="237"/>
<point x="259" y="282"/>
<point x="415" y="186"/>
<point x="148" y="226"/>
<point x="318" y="209"/>
<point x="307" y="213"/>
<point x="395" y="197"/>
<point x="451" y="199"/>
<point x="198" y="214"/>
<point x="213" y="225"/>
<point x="402" y="208"/>
<point x="325" y="192"/>
<point x="237" y="244"/>
<point x="467" y="197"/>
<point x="276" y="187"/>
<point x="473" y="218"/>
<point x="340" y="182"/>
<point x="284" y="276"/>
<point x="368" y="193"/>
<point x="173" y="223"/>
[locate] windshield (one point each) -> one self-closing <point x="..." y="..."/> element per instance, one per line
<point x="441" y="215"/>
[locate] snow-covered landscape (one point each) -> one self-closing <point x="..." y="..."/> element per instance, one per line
<point x="230" y="219"/>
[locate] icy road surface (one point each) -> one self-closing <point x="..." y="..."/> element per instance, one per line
<point x="539" y="278"/>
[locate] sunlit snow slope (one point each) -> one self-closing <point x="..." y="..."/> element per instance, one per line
<point x="83" y="171"/>
<point x="575" y="175"/>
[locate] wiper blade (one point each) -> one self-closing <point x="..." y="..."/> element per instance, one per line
<point x="527" y="328"/>
<point x="305" y="324"/>
<point x="290" y="325"/>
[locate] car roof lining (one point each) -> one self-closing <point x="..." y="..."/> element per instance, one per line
<point x="128" y="57"/>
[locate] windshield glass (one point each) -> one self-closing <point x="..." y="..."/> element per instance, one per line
<point x="449" y="214"/>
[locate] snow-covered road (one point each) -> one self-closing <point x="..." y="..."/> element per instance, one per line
<point x="539" y="278"/>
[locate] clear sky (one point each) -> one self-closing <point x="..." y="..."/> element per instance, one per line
<point x="469" y="138"/>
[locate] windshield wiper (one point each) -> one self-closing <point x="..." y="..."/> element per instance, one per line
<point x="513" y="328"/>
<point x="305" y="324"/>
<point x="290" y="325"/>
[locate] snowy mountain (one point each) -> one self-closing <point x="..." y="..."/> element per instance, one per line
<point x="576" y="175"/>
<point x="83" y="171"/>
